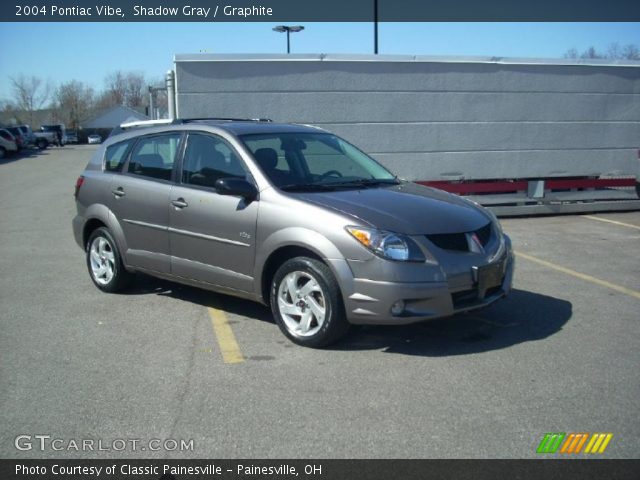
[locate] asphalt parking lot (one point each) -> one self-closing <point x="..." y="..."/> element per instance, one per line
<point x="171" y="362"/>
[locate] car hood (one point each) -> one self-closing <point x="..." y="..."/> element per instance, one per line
<point x="406" y="208"/>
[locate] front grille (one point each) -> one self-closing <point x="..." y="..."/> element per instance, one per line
<point x="450" y="241"/>
<point x="458" y="241"/>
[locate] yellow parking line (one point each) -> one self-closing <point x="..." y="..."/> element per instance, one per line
<point x="582" y="276"/>
<point x="229" y="348"/>
<point x="622" y="224"/>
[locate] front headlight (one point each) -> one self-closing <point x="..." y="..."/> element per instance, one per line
<point x="392" y="246"/>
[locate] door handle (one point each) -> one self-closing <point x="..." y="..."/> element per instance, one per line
<point x="118" y="192"/>
<point x="179" y="203"/>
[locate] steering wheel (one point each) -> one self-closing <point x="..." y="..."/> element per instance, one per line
<point x="335" y="173"/>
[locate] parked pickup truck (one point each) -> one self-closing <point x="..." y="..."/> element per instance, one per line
<point x="44" y="139"/>
<point x="50" y="135"/>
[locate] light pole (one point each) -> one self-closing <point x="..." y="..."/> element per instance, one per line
<point x="289" y="29"/>
<point x="375" y="27"/>
<point x="152" y="101"/>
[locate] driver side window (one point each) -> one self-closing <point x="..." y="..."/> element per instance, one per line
<point x="208" y="158"/>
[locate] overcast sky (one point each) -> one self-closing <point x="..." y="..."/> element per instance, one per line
<point x="89" y="51"/>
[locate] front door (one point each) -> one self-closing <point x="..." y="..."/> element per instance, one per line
<point x="212" y="236"/>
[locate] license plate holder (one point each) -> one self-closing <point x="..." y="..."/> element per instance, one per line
<point x="489" y="276"/>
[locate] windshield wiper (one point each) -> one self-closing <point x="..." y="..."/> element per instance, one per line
<point x="326" y="187"/>
<point x="302" y="187"/>
<point x="367" y="182"/>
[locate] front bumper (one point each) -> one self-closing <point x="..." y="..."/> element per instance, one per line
<point x="369" y="302"/>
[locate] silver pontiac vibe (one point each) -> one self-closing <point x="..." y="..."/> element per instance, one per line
<point x="287" y="215"/>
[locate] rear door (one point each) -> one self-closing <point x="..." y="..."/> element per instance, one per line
<point x="140" y="200"/>
<point x="212" y="236"/>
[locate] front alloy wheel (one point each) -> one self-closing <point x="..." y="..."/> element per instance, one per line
<point x="301" y="302"/>
<point x="307" y="304"/>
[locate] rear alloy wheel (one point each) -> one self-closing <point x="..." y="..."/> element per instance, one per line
<point x="105" y="263"/>
<point x="42" y="144"/>
<point x="306" y="303"/>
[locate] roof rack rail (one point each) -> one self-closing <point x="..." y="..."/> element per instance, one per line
<point x="145" y="123"/>
<point x="139" y="124"/>
<point x="179" y="121"/>
<point x="224" y="119"/>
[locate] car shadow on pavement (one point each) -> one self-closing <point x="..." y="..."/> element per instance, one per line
<point x="521" y="317"/>
<point x="144" y="285"/>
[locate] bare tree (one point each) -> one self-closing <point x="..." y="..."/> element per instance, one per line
<point x="591" y="53"/>
<point x="30" y="93"/>
<point x="614" y="52"/>
<point x="124" y="88"/>
<point x="9" y="113"/>
<point x="135" y="89"/>
<point x="631" y="52"/>
<point x="116" y="89"/>
<point x="571" y="53"/>
<point x="74" y="101"/>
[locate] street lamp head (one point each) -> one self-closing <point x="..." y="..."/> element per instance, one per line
<point x="287" y="28"/>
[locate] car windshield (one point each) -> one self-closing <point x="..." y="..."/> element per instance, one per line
<point x="314" y="162"/>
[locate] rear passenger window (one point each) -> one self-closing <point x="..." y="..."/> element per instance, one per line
<point x="154" y="157"/>
<point x="115" y="156"/>
<point x="208" y="158"/>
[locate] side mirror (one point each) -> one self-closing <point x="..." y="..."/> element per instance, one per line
<point x="236" y="187"/>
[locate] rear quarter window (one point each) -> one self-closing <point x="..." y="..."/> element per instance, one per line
<point x="115" y="156"/>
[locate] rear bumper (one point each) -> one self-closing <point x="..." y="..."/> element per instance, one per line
<point x="369" y="302"/>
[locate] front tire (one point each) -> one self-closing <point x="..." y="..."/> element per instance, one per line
<point x="105" y="262"/>
<point x="42" y="144"/>
<point x="307" y="304"/>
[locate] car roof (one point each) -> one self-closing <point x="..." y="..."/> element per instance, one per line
<point x="245" y="128"/>
<point x="235" y="127"/>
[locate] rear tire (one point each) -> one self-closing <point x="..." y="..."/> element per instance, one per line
<point x="105" y="262"/>
<point x="307" y="304"/>
<point x="3" y="153"/>
<point x="42" y="144"/>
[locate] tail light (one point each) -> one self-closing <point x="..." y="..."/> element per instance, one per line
<point x="79" y="183"/>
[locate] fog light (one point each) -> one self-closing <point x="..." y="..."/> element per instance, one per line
<point x="397" y="308"/>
